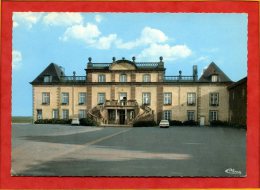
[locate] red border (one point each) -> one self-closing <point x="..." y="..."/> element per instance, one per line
<point x="252" y="180"/>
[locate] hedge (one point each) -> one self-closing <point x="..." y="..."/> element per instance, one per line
<point x="175" y="123"/>
<point x="87" y="122"/>
<point x="190" y="123"/>
<point x="53" y="121"/>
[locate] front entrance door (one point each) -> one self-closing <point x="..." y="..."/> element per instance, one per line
<point x="202" y="120"/>
<point x="39" y="114"/>
<point x="121" y="117"/>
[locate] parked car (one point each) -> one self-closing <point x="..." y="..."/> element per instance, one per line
<point x="164" y="124"/>
<point x="75" y="121"/>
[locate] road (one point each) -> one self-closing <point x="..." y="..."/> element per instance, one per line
<point x="59" y="150"/>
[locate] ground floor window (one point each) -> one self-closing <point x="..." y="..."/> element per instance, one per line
<point x="65" y="114"/>
<point x="146" y="98"/>
<point x="167" y="114"/>
<point x="101" y="98"/>
<point x="55" y="113"/>
<point x="82" y="114"/>
<point x="191" y="115"/>
<point x="213" y="115"/>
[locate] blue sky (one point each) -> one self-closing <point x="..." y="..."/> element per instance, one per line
<point x="68" y="39"/>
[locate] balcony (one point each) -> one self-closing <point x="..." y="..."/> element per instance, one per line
<point x="121" y="103"/>
<point x="179" y="78"/>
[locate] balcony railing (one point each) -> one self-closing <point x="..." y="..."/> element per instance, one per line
<point x="73" y="78"/>
<point x="179" y="78"/>
<point x="121" y="103"/>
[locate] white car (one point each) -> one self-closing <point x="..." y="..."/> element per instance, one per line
<point x="164" y="124"/>
<point x="75" y="121"/>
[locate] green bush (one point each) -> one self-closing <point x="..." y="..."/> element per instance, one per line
<point x="144" y="124"/>
<point x="175" y="123"/>
<point x="87" y="122"/>
<point x="219" y="123"/>
<point x="190" y="123"/>
<point x="53" y="121"/>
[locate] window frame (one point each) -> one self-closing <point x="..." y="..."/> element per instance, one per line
<point x="144" y="102"/>
<point x="193" y="99"/>
<point x="98" y="98"/>
<point x="188" y="114"/>
<point x="46" y="99"/>
<point x="101" y="78"/>
<point x="65" y="96"/>
<point x="146" y="77"/>
<point x="211" y="115"/>
<point x="67" y="114"/>
<point x="214" y="102"/>
<point x="54" y="116"/>
<point x="214" y="78"/>
<point x="167" y="115"/>
<point x="84" y="115"/>
<point x="47" y="78"/>
<point x="165" y="97"/>
<point x="80" y="97"/>
<point x="123" y="77"/>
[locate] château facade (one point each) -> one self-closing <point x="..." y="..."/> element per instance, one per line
<point x="124" y="91"/>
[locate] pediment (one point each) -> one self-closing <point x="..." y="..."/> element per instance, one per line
<point x="122" y="66"/>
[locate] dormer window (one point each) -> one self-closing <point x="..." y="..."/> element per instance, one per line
<point x="47" y="78"/>
<point x="214" y="78"/>
<point x="123" y="78"/>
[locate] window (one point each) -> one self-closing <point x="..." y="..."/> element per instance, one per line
<point x="65" y="114"/>
<point x="191" y="115"/>
<point x="82" y="98"/>
<point x="214" y="78"/>
<point x="46" y="98"/>
<point x="64" y="98"/>
<point x="55" y="113"/>
<point x="214" y="99"/>
<point x="47" y="78"/>
<point x="167" y="114"/>
<point x="122" y="95"/>
<point x="101" y="98"/>
<point x="191" y="99"/>
<point x="123" y="78"/>
<point x="213" y="115"/>
<point x="146" y="78"/>
<point x="146" y="98"/>
<point x="167" y="100"/>
<point x="102" y="78"/>
<point x="82" y="114"/>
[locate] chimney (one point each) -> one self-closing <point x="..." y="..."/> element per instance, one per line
<point x="195" y="72"/>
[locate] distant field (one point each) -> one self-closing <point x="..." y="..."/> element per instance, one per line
<point x="21" y="119"/>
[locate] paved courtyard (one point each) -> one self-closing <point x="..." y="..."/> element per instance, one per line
<point x="60" y="150"/>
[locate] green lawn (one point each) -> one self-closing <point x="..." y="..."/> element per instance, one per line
<point x="21" y="119"/>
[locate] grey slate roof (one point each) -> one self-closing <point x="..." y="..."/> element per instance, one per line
<point x="53" y="70"/>
<point x="211" y="70"/>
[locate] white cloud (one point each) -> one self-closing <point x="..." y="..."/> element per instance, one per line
<point x="105" y="42"/>
<point x="168" y="52"/>
<point x="201" y="59"/>
<point x="26" y="18"/>
<point x="15" y="24"/>
<point x="98" y="18"/>
<point x="62" y="19"/>
<point x="88" y="33"/>
<point x="148" y="36"/>
<point x="16" y="59"/>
